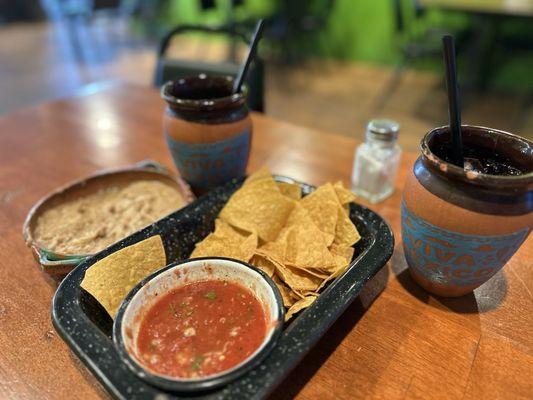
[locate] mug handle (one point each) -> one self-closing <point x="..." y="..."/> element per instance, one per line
<point x="152" y="164"/>
<point x="56" y="266"/>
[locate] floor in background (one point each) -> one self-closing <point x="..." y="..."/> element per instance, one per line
<point x="39" y="64"/>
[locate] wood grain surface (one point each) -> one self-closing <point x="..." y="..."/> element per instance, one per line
<point x="395" y="341"/>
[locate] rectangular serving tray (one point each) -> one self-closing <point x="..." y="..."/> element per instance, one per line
<point x="86" y="327"/>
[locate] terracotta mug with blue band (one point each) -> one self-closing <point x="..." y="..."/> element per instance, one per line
<point x="208" y="130"/>
<point x="460" y="227"/>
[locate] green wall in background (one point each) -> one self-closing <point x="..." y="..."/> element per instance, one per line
<point x="357" y="29"/>
<point x="360" y="30"/>
<point x="189" y="11"/>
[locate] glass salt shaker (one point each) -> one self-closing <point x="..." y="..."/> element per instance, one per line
<point x="376" y="161"/>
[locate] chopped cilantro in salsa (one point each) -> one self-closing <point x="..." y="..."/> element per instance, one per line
<point x="173" y="310"/>
<point x="211" y="295"/>
<point x="199" y="336"/>
<point x="197" y="363"/>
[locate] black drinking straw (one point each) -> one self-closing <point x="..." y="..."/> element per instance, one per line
<point x="453" y="100"/>
<point x="243" y="71"/>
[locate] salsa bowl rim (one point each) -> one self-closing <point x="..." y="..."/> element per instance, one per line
<point x="209" y="381"/>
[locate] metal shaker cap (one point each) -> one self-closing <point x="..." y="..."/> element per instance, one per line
<point x="383" y="129"/>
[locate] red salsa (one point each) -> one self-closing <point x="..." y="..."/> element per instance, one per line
<point x="201" y="329"/>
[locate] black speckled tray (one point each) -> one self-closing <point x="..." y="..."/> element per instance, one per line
<point x="86" y="327"/>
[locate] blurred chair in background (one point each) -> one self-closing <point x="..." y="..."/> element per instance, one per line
<point x="79" y="15"/>
<point x="417" y="42"/>
<point x="492" y="44"/>
<point x="489" y="43"/>
<point x="20" y="10"/>
<point x="295" y="27"/>
<point x="172" y="68"/>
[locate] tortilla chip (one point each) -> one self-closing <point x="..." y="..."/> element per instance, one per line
<point x="264" y="264"/>
<point x="226" y="230"/>
<point x="304" y="242"/>
<point x="291" y="190"/>
<point x="258" y="206"/>
<point x="305" y="245"/>
<point x="300" y="305"/>
<point x="273" y="250"/>
<point x="346" y="233"/>
<point x="261" y="174"/>
<point x="226" y="242"/>
<point x="249" y="246"/>
<point x="343" y="254"/>
<point x="297" y="295"/>
<point x="310" y="271"/>
<point x="286" y="293"/>
<point x="334" y="275"/>
<point x="322" y="207"/>
<point x="110" y="279"/>
<point x="297" y="279"/>
<point x="344" y="195"/>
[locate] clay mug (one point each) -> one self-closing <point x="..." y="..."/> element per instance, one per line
<point x="208" y="129"/>
<point x="460" y="227"/>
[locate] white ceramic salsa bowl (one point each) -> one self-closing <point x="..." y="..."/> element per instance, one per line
<point x="143" y="296"/>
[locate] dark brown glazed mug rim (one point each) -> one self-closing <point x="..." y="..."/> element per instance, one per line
<point x="231" y="101"/>
<point x="448" y="170"/>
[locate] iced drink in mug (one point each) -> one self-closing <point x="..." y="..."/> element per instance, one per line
<point x="461" y="226"/>
<point x="208" y="130"/>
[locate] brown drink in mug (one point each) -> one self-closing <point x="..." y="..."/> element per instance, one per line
<point x="461" y="226"/>
<point x="208" y="130"/>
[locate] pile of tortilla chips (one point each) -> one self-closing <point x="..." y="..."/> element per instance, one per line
<point x="302" y="243"/>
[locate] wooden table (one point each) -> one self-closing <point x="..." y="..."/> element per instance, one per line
<point x="395" y="341"/>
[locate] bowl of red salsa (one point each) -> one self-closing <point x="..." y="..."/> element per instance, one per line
<point x="198" y="324"/>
